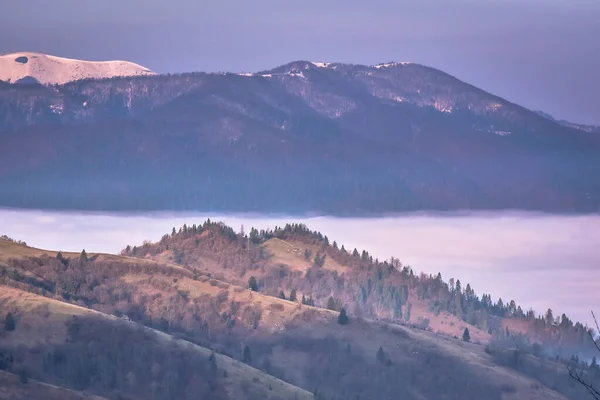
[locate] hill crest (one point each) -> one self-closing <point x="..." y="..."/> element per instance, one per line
<point x="29" y="68"/>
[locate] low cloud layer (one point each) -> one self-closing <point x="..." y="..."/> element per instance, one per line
<point x="538" y="260"/>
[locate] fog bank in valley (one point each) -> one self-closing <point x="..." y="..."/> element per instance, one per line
<point x="538" y="260"/>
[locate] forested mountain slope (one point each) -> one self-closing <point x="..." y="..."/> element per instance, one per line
<point x="304" y="137"/>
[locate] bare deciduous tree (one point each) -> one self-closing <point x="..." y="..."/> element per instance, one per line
<point x="578" y="375"/>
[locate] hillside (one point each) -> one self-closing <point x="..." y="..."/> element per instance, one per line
<point x="293" y="257"/>
<point x="11" y="388"/>
<point x="120" y="356"/>
<point x="299" y="343"/>
<point x="304" y="137"/>
<point x="30" y="68"/>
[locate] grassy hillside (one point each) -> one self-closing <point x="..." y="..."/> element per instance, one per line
<point x="86" y="350"/>
<point x="13" y="388"/>
<point x="297" y="343"/>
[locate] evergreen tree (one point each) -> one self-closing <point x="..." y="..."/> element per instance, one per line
<point x="458" y="287"/>
<point x="63" y="260"/>
<point x="307" y="254"/>
<point x="282" y="295"/>
<point x="252" y="285"/>
<point x="83" y="256"/>
<point x="407" y="313"/>
<point x="303" y="299"/>
<point x="380" y="355"/>
<point x="594" y="364"/>
<point x="247" y="355"/>
<point x="512" y="308"/>
<point x="9" y="322"/>
<point x="343" y="318"/>
<point x="293" y="295"/>
<point x="254" y="235"/>
<point x="212" y="361"/>
<point x="23" y="377"/>
<point x="330" y="303"/>
<point x="466" y="335"/>
<point x="174" y="232"/>
<point x="319" y="261"/>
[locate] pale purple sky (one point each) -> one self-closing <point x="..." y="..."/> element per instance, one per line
<point x="542" y="54"/>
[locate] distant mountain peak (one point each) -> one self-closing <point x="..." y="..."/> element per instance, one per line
<point x="581" y="127"/>
<point x="29" y="67"/>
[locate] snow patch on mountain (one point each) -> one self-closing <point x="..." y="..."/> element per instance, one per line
<point x="49" y="70"/>
<point x="296" y="73"/>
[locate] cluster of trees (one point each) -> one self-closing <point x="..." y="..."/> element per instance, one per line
<point x="308" y="301"/>
<point x="293" y="296"/>
<point x="9" y="239"/>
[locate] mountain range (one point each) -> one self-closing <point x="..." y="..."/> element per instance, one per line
<point x="303" y="137"/>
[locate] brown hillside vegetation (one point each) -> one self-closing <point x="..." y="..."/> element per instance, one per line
<point x="297" y="343"/>
<point x="65" y="344"/>
<point x="293" y="257"/>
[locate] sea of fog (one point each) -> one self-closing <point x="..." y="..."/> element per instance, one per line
<point x="538" y="260"/>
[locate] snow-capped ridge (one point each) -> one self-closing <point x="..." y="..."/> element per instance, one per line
<point x="48" y="70"/>
<point x="392" y="64"/>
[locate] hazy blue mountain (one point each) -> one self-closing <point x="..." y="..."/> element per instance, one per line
<point x="582" y="127"/>
<point x="302" y="137"/>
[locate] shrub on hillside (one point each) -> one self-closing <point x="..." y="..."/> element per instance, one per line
<point x="9" y="322"/>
